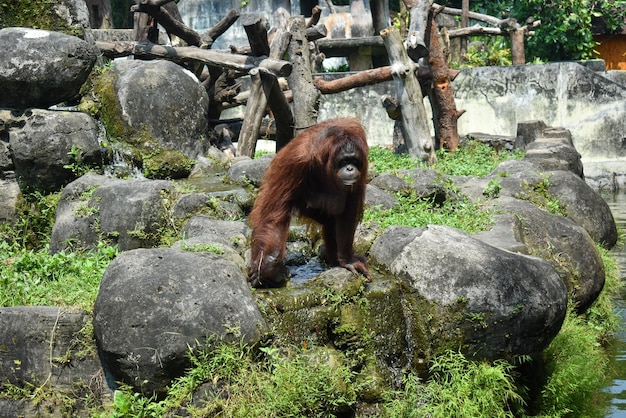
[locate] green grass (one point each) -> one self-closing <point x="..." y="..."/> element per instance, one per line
<point x="459" y="388"/>
<point x="35" y="277"/>
<point x="475" y="159"/>
<point x="245" y="383"/>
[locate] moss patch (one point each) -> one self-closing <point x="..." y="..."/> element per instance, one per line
<point x="37" y="14"/>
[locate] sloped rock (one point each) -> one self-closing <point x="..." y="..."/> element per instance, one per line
<point x="154" y="304"/>
<point x="40" y="68"/>
<point x="494" y="303"/>
<point x="127" y="213"/>
<point x="562" y="243"/>
<point x="584" y="206"/>
<point x="49" y="143"/>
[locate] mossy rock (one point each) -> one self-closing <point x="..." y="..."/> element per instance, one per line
<point x="40" y="14"/>
<point x="167" y="164"/>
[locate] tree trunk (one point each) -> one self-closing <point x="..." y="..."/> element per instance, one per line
<point x="443" y="105"/>
<point x="416" y="37"/>
<point x="305" y="95"/>
<point x="409" y="95"/>
<point x="265" y="88"/>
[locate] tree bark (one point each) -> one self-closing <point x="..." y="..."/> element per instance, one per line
<point x="445" y="114"/>
<point x="209" y="57"/>
<point x="265" y="89"/>
<point x="305" y="95"/>
<point x="409" y="95"/>
<point x="360" y="79"/>
<point x="416" y="37"/>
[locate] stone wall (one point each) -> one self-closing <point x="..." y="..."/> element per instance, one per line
<point x="588" y="103"/>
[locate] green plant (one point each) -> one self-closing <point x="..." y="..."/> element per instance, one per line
<point x="472" y="159"/>
<point x="411" y="210"/>
<point x="36" y="277"/>
<point x="569" y="387"/>
<point x="493" y="189"/>
<point x="459" y="388"/>
<point x="566" y="28"/>
<point x="76" y="164"/>
<point x="35" y="217"/>
<point x="494" y="51"/>
<point x="246" y="383"/>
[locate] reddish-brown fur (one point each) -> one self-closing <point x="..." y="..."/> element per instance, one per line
<point x="304" y="177"/>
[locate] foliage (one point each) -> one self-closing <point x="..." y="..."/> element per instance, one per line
<point x="34" y="220"/>
<point x="459" y="388"/>
<point x="491" y="51"/>
<point x="566" y="25"/>
<point x="570" y="386"/>
<point x="240" y="384"/>
<point x="472" y="159"/>
<point x="411" y="210"/>
<point x="76" y="164"/>
<point x="475" y="159"/>
<point x="35" y="277"/>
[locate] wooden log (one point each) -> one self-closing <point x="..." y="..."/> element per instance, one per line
<point x="315" y="17"/>
<point x="266" y="89"/>
<point x="239" y="63"/>
<point x="171" y="25"/>
<point x="252" y="117"/>
<point x="222" y="26"/>
<point x="380" y="14"/>
<point x="360" y="79"/>
<point x="518" y="56"/>
<point x="409" y="94"/>
<point x="305" y="95"/>
<point x="416" y="36"/>
<point x="281" y="110"/>
<point x="256" y="26"/>
<point x="445" y="115"/>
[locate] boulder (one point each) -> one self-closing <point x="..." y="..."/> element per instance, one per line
<point x="129" y="213"/>
<point x="166" y="100"/>
<point x="9" y="195"/>
<point x="584" y="206"/>
<point x="248" y="171"/>
<point x="53" y="148"/>
<point x="561" y="242"/>
<point x="48" y="344"/>
<point x="235" y="232"/>
<point x="461" y="291"/>
<point x="155" y="304"/>
<point x="39" y="68"/>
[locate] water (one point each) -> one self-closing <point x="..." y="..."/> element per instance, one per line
<point x="616" y="391"/>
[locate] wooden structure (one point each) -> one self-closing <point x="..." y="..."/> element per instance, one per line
<point x="420" y="67"/>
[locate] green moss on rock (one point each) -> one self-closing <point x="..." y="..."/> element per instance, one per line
<point x="167" y="164"/>
<point x="37" y="14"/>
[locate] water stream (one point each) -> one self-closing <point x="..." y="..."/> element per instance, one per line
<point x="616" y="390"/>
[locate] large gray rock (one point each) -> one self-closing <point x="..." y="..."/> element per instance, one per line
<point x="40" y="68"/>
<point x="165" y="99"/>
<point x="42" y="147"/>
<point x="47" y="345"/>
<point x="9" y="194"/>
<point x="127" y="213"/>
<point x="561" y="242"/>
<point x="154" y="304"/>
<point x="494" y="303"/>
<point x="584" y="206"/>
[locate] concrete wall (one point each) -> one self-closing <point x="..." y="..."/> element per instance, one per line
<point x="569" y="95"/>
